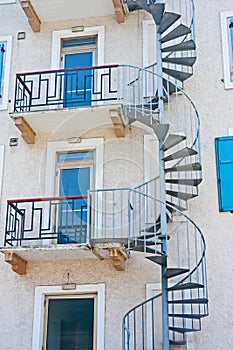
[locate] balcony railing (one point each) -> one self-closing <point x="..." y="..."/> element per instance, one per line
<point x="65" y="88"/>
<point x="46" y="221"/>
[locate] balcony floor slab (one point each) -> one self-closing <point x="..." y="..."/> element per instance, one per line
<point x="70" y="119"/>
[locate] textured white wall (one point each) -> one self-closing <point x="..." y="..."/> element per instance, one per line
<point x="24" y="177"/>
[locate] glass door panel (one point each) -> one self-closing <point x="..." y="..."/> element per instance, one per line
<point x="78" y="83"/>
<point x="70" y="324"/>
<point x="73" y="212"/>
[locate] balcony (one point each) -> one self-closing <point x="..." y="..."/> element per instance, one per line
<point x="39" y="11"/>
<point x="81" y="98"/>
<point x="102" y="225"/>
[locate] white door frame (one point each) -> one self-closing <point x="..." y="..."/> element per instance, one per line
<point x="38" y="320"/>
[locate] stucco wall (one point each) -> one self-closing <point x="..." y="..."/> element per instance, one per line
<point x="24" y="176"/>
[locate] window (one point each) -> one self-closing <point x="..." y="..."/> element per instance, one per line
<point x="227" y="47"/>
<point x="5" y="54"/>
<point x="224" y="164"/>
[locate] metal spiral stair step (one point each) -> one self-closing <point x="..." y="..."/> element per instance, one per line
<point x="174" y="271"/>
<point x="189" y="285"/>
<point x="147" y="120"/>
<point x="179" y="31"/>
<point x="157" y="11"/>
<point x="185" y="152"/>
<point x="171" y="141"/>
<point x="179" y="75"/>
<point x="183" y="61"/>
<point x="187" y="182"/>
<point x="161" y="131"/>
<point x="177" y="342"/>
<point x="181" y="195"/>
<point x="183" y="330"/>
<point x="169" y="87"/>
<point x="184" y="46"/>
<point x="142" y="248"/>
<point x="186" y="167"/>
<point x="177" y="206"/>
<point x="139" y="242"/>
<point x="190" y="316"/>
<point x="169" y="18"/>
<point x="189" y="301"/>
<point x="158" y="259"/>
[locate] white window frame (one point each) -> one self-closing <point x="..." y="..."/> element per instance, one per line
<point x="86" y="289"/>
<point x="6" y="2"/>
<point x="226" y="49"/>
<point x="58" y="35"/>
<point x="145" y="36"/>
<point x="151" y="154"/>
<point x="55" y="147"/>
<point x="2" y="148"/>
<point x="6" y="71"/>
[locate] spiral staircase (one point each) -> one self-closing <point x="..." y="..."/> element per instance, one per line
<point x="173" y="241"/>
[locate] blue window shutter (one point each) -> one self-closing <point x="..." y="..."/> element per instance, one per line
<point x="2" y="52"/>
<point x="224" y="163"/>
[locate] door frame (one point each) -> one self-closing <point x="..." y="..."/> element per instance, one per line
<point x="47" y="298"/>
<point x="85" y="289"/>
<point x="58" y="35"/>
<point x="54" y="147"/>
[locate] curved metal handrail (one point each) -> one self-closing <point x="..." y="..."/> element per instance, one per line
<point x="140" y="307"/>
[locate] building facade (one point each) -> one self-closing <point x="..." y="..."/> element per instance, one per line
<point x="115" y="174"/>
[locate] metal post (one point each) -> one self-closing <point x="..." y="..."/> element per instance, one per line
<point x="163" y="215"/>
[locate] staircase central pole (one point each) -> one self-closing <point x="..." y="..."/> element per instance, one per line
<point x="163" y="217"/>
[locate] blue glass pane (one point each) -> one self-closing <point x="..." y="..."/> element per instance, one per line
<point x="87" y="41"/>
<point x="70" y="324"/>
<point x="67" y="157"/>
<point x="78" y="83"/>
<point x="73" y="212"/>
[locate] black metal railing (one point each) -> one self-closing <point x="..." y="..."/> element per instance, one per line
<point x="46" y="221"/>
<point x="65" y="88"/>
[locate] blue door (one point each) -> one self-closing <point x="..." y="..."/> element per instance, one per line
<point x="73" y="211"/>
<point x="78" y="83"/>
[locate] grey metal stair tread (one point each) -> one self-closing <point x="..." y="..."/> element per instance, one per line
<point x="186" y="167"/>
<point x="172" y="140"/>
<point x="169" y="18"/>
<point x="146" y="236"/>
<point x="174" y="271"/>
<point x="144" y="249"/>
<point x="140" y="243"/>
<point x="184" y="152"/>
<point x="187" y="182"/>
<point x="188" y="285"/>
<point x="181" y="195"/>
<point x="147" y="120"/>
<point x="169" y="87"/>
<point x="157" y="11"/>
<point x="158" y="259"/>
<point x="190" y="316"/>
<point x="179" y="75"/>
<point x="177" y="342"/>
<point x="184" y="46"/>
<point x="161" y="131"/>
<point x="183" y="330"/>
<point x="176" y="206"/>
<point x="179" y="31"/>
<point x="189" y="301"/>
<point x="183" y="61"/>
<point x="134" y="5"/>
